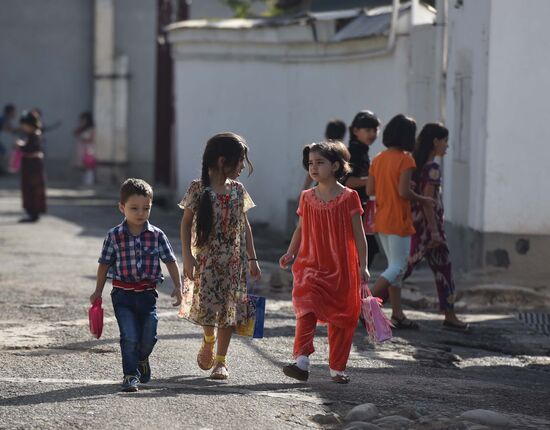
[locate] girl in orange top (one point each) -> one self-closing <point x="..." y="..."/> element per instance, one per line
<point x="390" y="181"/>
<point x="331" y="261"/>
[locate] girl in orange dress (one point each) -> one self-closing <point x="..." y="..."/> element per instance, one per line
<point x="331" y="261"/>
<point x="390" y="181"/>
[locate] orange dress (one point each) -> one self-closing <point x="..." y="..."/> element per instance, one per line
<point x="393" y="213"/>
<point x="326" y="269"/>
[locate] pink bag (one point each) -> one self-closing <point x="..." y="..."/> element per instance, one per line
<point x="368" y="217"/>
<point x="15" y="160"/>
<point x="376" y="322"/>
<point x="95" y="315"/>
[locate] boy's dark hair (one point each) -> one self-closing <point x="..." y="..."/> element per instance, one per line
<point x="425" y="144"/>
<point x="400" y="133"/>
<point x="363" y="119"/>
<point x="333" y="152"/>
<point x="233" y="149"/>
<point x="132" y="187"/>
<point x="335" y="130"/>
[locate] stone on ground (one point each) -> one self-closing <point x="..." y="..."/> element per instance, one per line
<point x="485" y="417"/>
<point x="364" y="412"/>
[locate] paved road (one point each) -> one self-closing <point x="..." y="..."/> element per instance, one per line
<point x="54" y="375"/>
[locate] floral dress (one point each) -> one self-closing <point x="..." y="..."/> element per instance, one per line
<point x="217" y="295"/>
<point x="437" y="258"/>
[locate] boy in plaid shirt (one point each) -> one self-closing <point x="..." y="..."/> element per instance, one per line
<point x="130" y="257"/>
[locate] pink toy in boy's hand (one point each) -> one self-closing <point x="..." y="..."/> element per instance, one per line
<point x="95" y="315"/>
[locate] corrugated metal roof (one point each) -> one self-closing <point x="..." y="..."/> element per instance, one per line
<point x="367" y="22"/>
<point x="331" y="5"/>
<point x="364" y="26"/>
<point x="368" y="25"/>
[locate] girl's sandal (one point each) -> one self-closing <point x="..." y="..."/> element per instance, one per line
<point x="404" y="323"/>
<point x="341" y="378"/>
<point x="206" y="355"/>
<point x="458" y="327"/>
<point x="219" y="372"/>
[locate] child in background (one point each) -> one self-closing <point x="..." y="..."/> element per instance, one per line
<point x="130" y="257"/>
<point x="85" y="158"/>
<point x="334" y="131"/>
<point x="390" y="181"/>
<point x="218" y="249"/>
<point x="331" y="261"/>
<point x="33" y="177"/>
<point x="7" y="134"/>
<point x="363" y="131"/>
<point x="429" y="240"/>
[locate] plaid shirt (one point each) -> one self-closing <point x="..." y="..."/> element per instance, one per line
<point x="136" y="258"/>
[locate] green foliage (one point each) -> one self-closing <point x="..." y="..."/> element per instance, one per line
<point x="242" y="8"/>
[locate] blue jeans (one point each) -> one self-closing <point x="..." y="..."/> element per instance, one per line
<point x="136" y="314"/>
<point x="397" y="249"/>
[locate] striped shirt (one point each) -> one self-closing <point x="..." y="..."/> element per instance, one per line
<point x="136" y="258"/>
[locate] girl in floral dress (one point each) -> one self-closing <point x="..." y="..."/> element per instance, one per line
<point x="218" y="249"/>
<point x="331" y="261"/>
<point x="429" y="241"/>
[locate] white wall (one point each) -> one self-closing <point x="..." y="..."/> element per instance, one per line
<point x="466" y="114"/>
<point x="47" y="62"/>
<point x="517" y="198"/>
<point x="135" y="35"/>
<point x="278" y="107"/>
<point x="46" y="52"/>
<point x="423" y="86"/>
<point x="497" y="167"/>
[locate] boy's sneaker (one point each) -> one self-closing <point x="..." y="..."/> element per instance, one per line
<point x="130" y="384"/>
<point x="144" y="370"/>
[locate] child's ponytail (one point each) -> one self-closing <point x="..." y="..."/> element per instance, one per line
<point x="206" y="213"/>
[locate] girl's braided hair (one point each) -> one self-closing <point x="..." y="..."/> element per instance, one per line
<point x="232" y="148"/>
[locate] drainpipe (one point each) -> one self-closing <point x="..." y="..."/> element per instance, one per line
<point x="442" y="22"/>
<point x="414" y="12"/>
<point x="393" y="25"/>
<point x="110" y="96"/>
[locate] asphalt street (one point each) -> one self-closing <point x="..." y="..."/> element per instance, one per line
<point x="55" y="375"/>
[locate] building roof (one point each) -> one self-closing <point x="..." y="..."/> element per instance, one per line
<point x="332" y="5"/>
<point x="371" y="20"/>
<point x="366" y="25"/>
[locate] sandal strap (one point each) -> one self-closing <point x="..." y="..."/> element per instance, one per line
<point x="209" y="343"/>
<point x="404" y="322"/>
<point x="205" y="363"/>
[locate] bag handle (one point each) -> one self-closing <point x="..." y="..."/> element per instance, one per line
<point x="365" y="291"/>
<point x="254" y="285"/>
